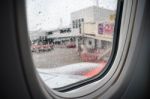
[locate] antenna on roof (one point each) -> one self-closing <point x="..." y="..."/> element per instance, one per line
<point x="61" y="23"/>
<point x="96" y="2"/>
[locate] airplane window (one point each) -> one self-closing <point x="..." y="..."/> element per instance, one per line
<point x="63" y="58"/>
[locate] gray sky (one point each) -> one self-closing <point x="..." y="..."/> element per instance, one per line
<point x="46" y="14"/>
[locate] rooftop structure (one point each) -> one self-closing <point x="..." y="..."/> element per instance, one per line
<point x="86" y="22"/>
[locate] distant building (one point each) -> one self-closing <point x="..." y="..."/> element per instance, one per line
<point x="61" y="35"/>
<point x="37" y="36"/>
<point x="92" y="27"/>
<point x="85" y="20"/>
<point x="87" y="23"/>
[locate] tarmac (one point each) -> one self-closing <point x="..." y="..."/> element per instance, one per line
<point x="57" y="57"/>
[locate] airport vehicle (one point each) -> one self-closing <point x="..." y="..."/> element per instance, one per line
<point x="71" y="45"/>
<point x="41" y="47"/>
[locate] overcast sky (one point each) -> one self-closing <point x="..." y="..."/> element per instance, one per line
<point x="46" y="14"/>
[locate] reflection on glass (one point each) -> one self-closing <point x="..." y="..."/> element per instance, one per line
<point x="71" y="39"/>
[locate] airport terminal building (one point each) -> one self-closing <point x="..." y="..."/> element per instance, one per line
<point x="95" y="25"/>
<point x="92" y="27"/>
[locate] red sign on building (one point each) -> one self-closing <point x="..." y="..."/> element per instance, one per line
<point x="105" y="28"/>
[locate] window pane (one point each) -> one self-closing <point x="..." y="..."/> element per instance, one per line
<point x="71" y="39"/>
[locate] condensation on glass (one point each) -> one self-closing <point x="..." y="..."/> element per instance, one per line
<point x="71" y="40"/>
